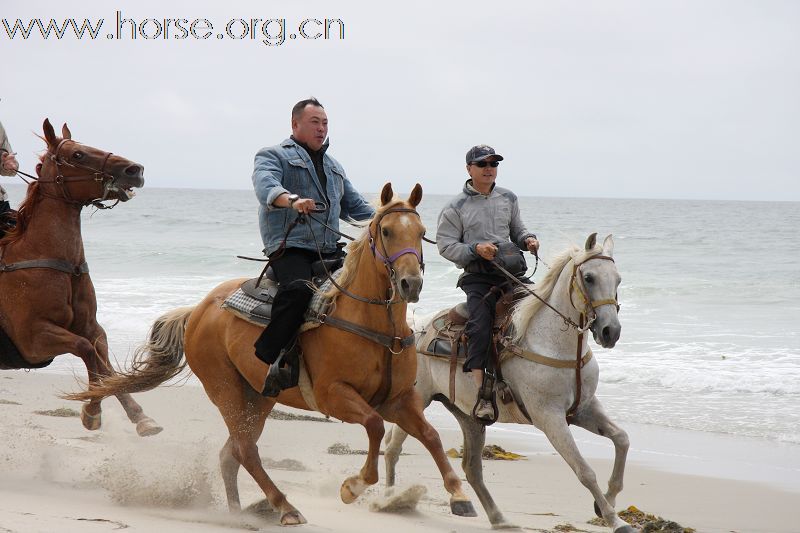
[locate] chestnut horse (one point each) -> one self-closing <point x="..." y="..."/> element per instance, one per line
<point x="48" y="305"/>
<point x="354" y="377"/>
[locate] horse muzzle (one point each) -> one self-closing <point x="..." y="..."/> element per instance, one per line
<point x="121" y="187"/>
<point x="409" y="287"/>
<point x="607" y="335"/>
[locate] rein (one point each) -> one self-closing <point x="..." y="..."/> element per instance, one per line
<point x="393" y="343"/>
<point x="586" y="319"/>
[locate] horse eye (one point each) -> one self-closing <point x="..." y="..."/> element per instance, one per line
<point x="77" y="155"/>
<point x="385" y="232"/>
<point x="588" y="278"/>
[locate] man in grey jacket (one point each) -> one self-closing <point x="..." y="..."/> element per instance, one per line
<point x="470" y="229"/>
<point x="291" y="179"/>
<point x="8" y="167"/>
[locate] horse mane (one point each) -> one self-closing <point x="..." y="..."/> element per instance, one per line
<point x="355" y="250"/>
<point x="25" y="210"/>
<point x="24" y="213"/>
<point x="527" y="308"/>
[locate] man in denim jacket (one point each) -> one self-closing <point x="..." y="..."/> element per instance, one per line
<point x="469" y="230"/>
<point x="291" y="179"/>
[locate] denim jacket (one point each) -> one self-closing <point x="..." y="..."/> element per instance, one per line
<point x="287" y="168"/>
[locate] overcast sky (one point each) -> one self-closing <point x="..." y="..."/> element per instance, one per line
<point x="645" y="99"/>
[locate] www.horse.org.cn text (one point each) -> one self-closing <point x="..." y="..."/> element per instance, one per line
<point x="269" y="31"/>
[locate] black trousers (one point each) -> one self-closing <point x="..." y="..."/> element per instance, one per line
<point x="293" y="272"/>
<point x="481" y="302"/>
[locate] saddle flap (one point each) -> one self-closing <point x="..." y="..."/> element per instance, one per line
<point x="263" y="293"/>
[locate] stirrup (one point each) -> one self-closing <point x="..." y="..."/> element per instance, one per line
<point x="279" y="378"/>
<point x="486" y="393"/>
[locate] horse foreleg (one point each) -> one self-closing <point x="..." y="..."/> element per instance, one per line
<point x="406" y="411"/>
<point x="555" y="427"/>
<point x="472" y="463"/>
<point x="345" y="403"/>
<point x="145" y="426"/>
<point x="592" y="417"/>
<point x="56" y="340"/>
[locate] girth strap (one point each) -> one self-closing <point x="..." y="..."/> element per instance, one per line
<point x="54" y="264"/>
<point x="394" y="344"/>
<point x="548" y="361"/>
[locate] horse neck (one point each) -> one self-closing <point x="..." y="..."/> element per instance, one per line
<point x="54" y="231"/>
<point x="373" y="284"/>
<point x="546" y="333"/>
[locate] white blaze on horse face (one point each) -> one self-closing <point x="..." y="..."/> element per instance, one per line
<point x="406" y="222"/>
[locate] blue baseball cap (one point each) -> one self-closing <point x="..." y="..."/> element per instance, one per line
<point x="481" y="152"/>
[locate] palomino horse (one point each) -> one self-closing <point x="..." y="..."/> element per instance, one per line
<point x="362" y="373"/>
<point x="48" y="305"/>
<point x="543" y="375"/>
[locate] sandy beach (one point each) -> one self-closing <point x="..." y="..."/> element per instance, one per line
<point x="56" y="476"/>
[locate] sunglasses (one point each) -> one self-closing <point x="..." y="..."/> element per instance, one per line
<point x="484" y="164"/>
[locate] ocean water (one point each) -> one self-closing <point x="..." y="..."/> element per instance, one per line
<point x="710" y="293"/>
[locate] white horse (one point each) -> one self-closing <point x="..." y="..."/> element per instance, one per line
<point x="581" y="285"/>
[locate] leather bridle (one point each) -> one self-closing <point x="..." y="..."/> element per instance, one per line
<point x="95" y="174"/>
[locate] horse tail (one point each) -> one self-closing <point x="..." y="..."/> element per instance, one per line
<point x="156" y="361"/>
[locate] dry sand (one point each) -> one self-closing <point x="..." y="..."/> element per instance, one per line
<point x="57" y="477"/>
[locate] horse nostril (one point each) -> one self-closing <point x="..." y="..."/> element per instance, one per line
<point x="404" y="285"/>
<point x="133" y="170"/>
<point x="606" y="334"/>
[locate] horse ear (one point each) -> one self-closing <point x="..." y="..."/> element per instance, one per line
<point x="608" y="246"/>
<point x="387" y="194"/>
<point x="416" y="195"/>
<point x="49" y="133"/>
<point x="65" y="133"/>
<point x="591" y="241"/>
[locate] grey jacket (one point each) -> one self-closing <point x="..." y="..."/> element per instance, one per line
<point x="5" y="146"/>
<point x="472" y="218"/>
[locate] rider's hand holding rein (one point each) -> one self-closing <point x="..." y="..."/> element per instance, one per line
<point x="9" y="162"/>
<point x="533" y="245"/>
<point x="486" y="250"/>
<point x="301" y="205"/>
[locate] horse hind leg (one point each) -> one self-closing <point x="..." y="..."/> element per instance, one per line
<point x="245" y="413"/>
<point x="593" y="418"/>
<point x="472" y="463"/>
<point x="557" y="431"/>
<point x="229" y="467"/>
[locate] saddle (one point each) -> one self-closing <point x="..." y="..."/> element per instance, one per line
<point x="446" y="334"/>
<point x="445" y="339"/>
<point x="252" y="301"/>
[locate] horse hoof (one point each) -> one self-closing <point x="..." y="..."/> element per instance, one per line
<point x="292" y="518"/>
<point x="147" y="427"/>
<point x="462" y="508"/>
<point x="597" y="510"/>
<point x="351" y="489"/>
<point x="90" y="421"/>
<point x="626" y="529"/>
